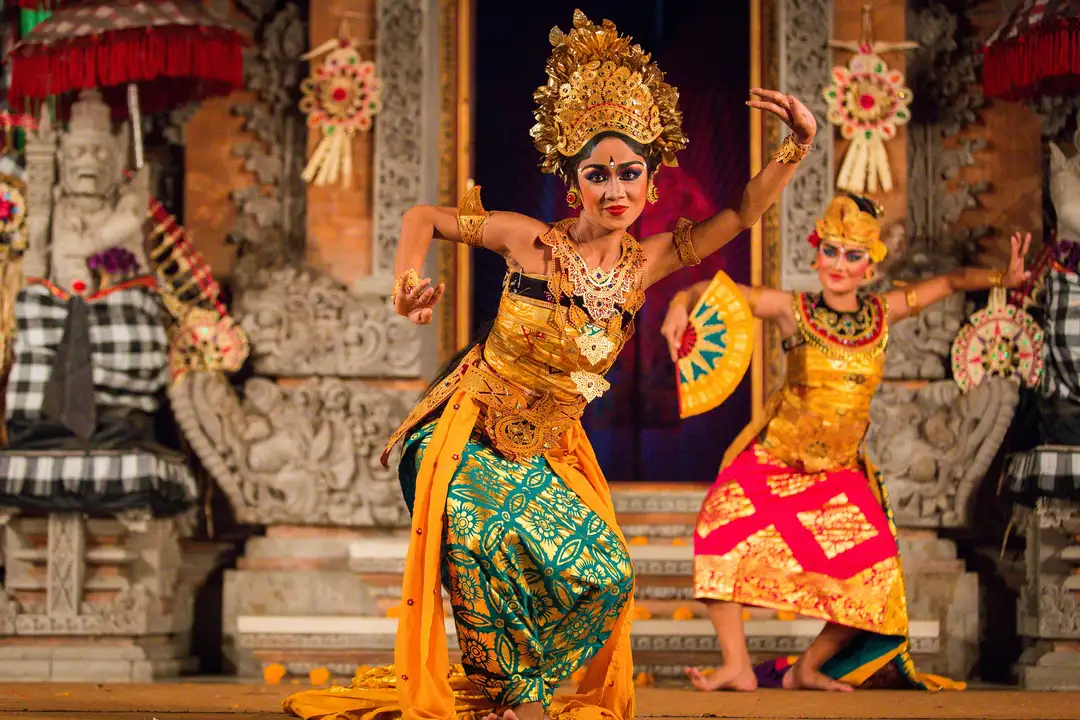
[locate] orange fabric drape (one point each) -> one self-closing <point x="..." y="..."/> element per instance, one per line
<point x="423" y="686"/>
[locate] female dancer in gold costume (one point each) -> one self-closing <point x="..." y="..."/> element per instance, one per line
<point x="510" y="510"/>
<point x="798" y="521"/>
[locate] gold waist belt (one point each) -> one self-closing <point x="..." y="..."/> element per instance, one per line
<point x="519" y="423"/>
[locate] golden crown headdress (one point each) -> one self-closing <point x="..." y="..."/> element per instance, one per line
<point x="848" y="224"/>
<point x="598" y="82"/>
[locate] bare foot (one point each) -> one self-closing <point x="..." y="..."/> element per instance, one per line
<point x="728" y="677"/>
<point x="799" y="677"/>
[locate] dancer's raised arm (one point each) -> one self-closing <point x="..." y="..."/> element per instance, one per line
<point x="509" y="234"/>
<point x="911" y="300"/>
<point x="690" y="242"/>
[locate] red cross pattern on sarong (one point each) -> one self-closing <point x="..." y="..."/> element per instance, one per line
<point x="758" y="495"/>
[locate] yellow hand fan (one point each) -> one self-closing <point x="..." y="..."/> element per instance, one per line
<point x="716" y="348"/>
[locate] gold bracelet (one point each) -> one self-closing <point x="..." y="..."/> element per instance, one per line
<point x="752" y="298"/>
<point x="407" y="281"/>
<point x="791" y="151"/>
<point x="684" y="245"/>
<point x="472" y="218"/>
<point x="997" y="278"/>
<point x="912" y="301"/>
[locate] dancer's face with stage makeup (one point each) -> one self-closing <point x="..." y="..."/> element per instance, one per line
<point x="841" y="268"/>
<point x="612" y="181"/>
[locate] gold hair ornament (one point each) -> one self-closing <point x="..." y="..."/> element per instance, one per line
<point x="598" y="82"/>
<point x="845" y="223"/>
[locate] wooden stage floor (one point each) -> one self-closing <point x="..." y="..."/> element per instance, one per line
<point x="204" y="701"/>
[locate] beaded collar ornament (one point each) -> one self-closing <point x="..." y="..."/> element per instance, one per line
<point x="598" y="82"/>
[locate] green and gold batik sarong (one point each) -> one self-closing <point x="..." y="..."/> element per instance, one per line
<point x="536" y="579"/>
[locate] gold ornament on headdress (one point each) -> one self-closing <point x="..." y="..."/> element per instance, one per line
<point x="598" y="82"/>
<point x="846" y="224"/>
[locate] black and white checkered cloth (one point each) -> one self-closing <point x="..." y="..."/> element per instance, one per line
<point x="129" y="348"/>
<point x="1048" y="471"/>
<point x="98" y="481"/>
<point x="1062" y="379"/>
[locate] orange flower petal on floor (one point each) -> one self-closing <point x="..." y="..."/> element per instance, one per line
<point x="785" y="615"/>
<point x="641" y="613"/>
<point x="639" y="540"/>
<point x="274" y="673"/>
<point x="683" y="613"/>
<point x="643" y="679"/>
<point x="320" y="676"/>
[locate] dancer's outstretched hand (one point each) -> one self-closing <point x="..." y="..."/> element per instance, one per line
<point x="417" y="303"/>
<point x="675" y="322"/>
<point x="790" y="110"/>
<point x="1015" y="274"/>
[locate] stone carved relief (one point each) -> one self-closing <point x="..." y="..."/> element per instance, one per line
<point x="1048" y="609"/>
<point x="399" y="131"/>
<point x="1056" y="112"/>
<point x="302" y="323"/>
<point x="943" y="73"/>
<point x="325" y="329"/>
<point x="302" y="455"/>
<point x="804" y="46"/>
<point x="270" y="212"/>
<point x="934" y="445"/>
<point x="919" y="346"/>
<point x="151" y="579"/>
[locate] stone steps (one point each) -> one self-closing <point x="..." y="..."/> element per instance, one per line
<point x="331" y="599"/>
<point x="662" y="648"/>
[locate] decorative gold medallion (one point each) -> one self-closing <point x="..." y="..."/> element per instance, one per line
<point x="594" y="344"/>
<point x="590" y="385"/>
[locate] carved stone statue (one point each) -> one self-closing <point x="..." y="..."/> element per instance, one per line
<point x="94" y="208"/>
<point x="1045" y="478"/>
<point x="935" y="444"/>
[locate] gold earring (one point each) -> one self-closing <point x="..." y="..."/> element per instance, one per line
<point x="814" y="265"/>
<point x="572" y="198"/>
<point x="652" y="194"/>
<point x="871" y="273"/>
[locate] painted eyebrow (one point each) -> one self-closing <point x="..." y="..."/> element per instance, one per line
<point x="599" y="166"/>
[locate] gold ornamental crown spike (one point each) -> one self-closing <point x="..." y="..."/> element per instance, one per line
<point x="599" y="82"/>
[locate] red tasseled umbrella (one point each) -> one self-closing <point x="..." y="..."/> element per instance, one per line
<point x="175" y="50"/>
<point x="1036" y="51"/>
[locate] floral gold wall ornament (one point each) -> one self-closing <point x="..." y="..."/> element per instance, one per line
<point x="868" y="101"/>
<point x="341" y="98"/>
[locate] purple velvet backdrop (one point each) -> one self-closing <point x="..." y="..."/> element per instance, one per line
<point x="704" y="49"/>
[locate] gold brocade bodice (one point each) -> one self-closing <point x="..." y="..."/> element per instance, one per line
<point x="823" y="410"/>
<point x="553" y="340"/>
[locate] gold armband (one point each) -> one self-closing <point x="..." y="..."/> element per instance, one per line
<point x="407" y="281"/>
<point x="791" y="151"/>
<point x="912" y="301"/>
<point x="472" y="218"/>
<point x="997" y="278"/>
<point x="684" y="246"/>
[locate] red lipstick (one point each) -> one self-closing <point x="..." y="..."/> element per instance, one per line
<point x="616" y="210"/>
